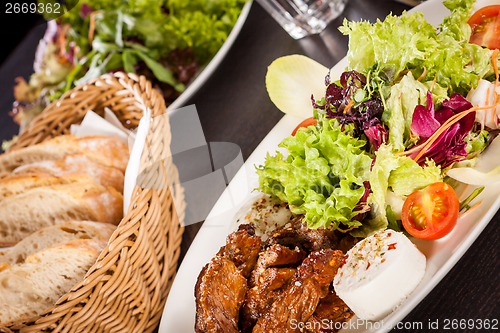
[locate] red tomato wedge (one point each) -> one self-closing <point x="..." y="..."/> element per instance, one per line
<point x="305" y="123"/>
<point x="485" y="24"/>
<point x="431" y="213"/>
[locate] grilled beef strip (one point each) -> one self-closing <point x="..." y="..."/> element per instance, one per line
<point x="297" y="234"/>
<point x="299" y="300"/>
<point x="222" y="284"/>
<point x="330" y="310"/>
<point x="243" y="248"/>
<point x="275" y="268"/>
<point x="276" y="256"/>
<point x="220" y="292"/>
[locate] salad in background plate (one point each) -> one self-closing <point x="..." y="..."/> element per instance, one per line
<point x="168" y="41"/>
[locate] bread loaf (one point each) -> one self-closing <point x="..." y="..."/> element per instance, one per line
<point x="53" y="235"/>
<point x="28" y="211"/>
<point x="105" y="150"/>
<point x="42" y="187"/>
<point x="77" y="164"/>
<point x="32" y="287"/>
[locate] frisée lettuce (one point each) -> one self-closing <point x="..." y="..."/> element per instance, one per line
<point x="321" y="175"/>
<point x="408" y="42"/>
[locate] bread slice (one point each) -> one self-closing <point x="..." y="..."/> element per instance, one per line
<point x="24" y="213"/>
<point x="30" y="288"/>
<point x="53" y="235"/>
<point x="105" y="150"/>
<point x="15" y="184"/>
<point x="77" y="164"/>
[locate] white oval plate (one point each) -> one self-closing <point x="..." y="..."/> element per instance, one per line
<point x="442" y="255"/>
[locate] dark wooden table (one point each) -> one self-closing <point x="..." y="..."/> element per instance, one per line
<point x="234" y="107"/>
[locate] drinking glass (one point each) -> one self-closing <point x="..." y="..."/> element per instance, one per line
<point x="301" y="18"/>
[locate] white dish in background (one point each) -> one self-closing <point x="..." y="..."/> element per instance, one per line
<point x="442" y="255"/>
<point x="208" y="70"/>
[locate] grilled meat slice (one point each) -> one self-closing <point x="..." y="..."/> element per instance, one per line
<point x="268" y="277"/>
<point x="260" y="298"/>
<point x="220" y="292"/>
<point x="330" y="310"/>
<point x="298" y="301"/>
<point x="297" y="234"/>
<point x="276" y="256"/>
<point x="242" y="247"/>
<point x="222" y="284"/>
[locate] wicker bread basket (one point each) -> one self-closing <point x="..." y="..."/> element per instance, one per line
<point x="125" y="290"/>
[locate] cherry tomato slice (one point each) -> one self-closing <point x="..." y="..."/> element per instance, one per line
<point x="432" y="212"/>
<point x="485" y="24"/>
<point x="305" y="123"/>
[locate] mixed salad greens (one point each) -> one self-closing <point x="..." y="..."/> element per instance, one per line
<point x="414" y="102"/>
<point x="166" y="40"/>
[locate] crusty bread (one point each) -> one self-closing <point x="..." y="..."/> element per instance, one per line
<point x="77" y="164"/>
<point x="30" y="288"/>
<point x="15" y="184"/>
<point x="35" y="208"/>
<point x="53" y="235"/>
<point x="105" y="150"/>
<point x="111" y="150"/>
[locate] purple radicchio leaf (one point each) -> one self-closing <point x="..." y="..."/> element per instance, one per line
<point x="424" y="122"/>
<point x="362" y="208"/>
<point x="457" y="103"/>
<point x="364" y="115"/>
<point x="447" y="149"/>
<point x="377" y="135"/>
<point x="450" y="146"/>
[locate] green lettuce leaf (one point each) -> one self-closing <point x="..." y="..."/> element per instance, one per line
<point x="456" y="25"/>
<point x="403" y="98"/>
<point x="410" y="176"/>
<point x="161" y="72"/>
<point x="477" y="142"/>
<point x="321" y="176"/>
<point x="397" y="116"/>
<point x="393" y="45"/>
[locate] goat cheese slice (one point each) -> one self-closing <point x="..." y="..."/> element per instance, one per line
<point x="379" y="273"/>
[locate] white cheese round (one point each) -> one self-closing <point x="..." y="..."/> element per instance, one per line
<point x="379" y="273"/>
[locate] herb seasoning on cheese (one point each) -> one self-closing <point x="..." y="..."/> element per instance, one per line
<point x="379" y="273"/>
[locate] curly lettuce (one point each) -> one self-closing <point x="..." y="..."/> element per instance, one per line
<point x="321" y="175"/>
